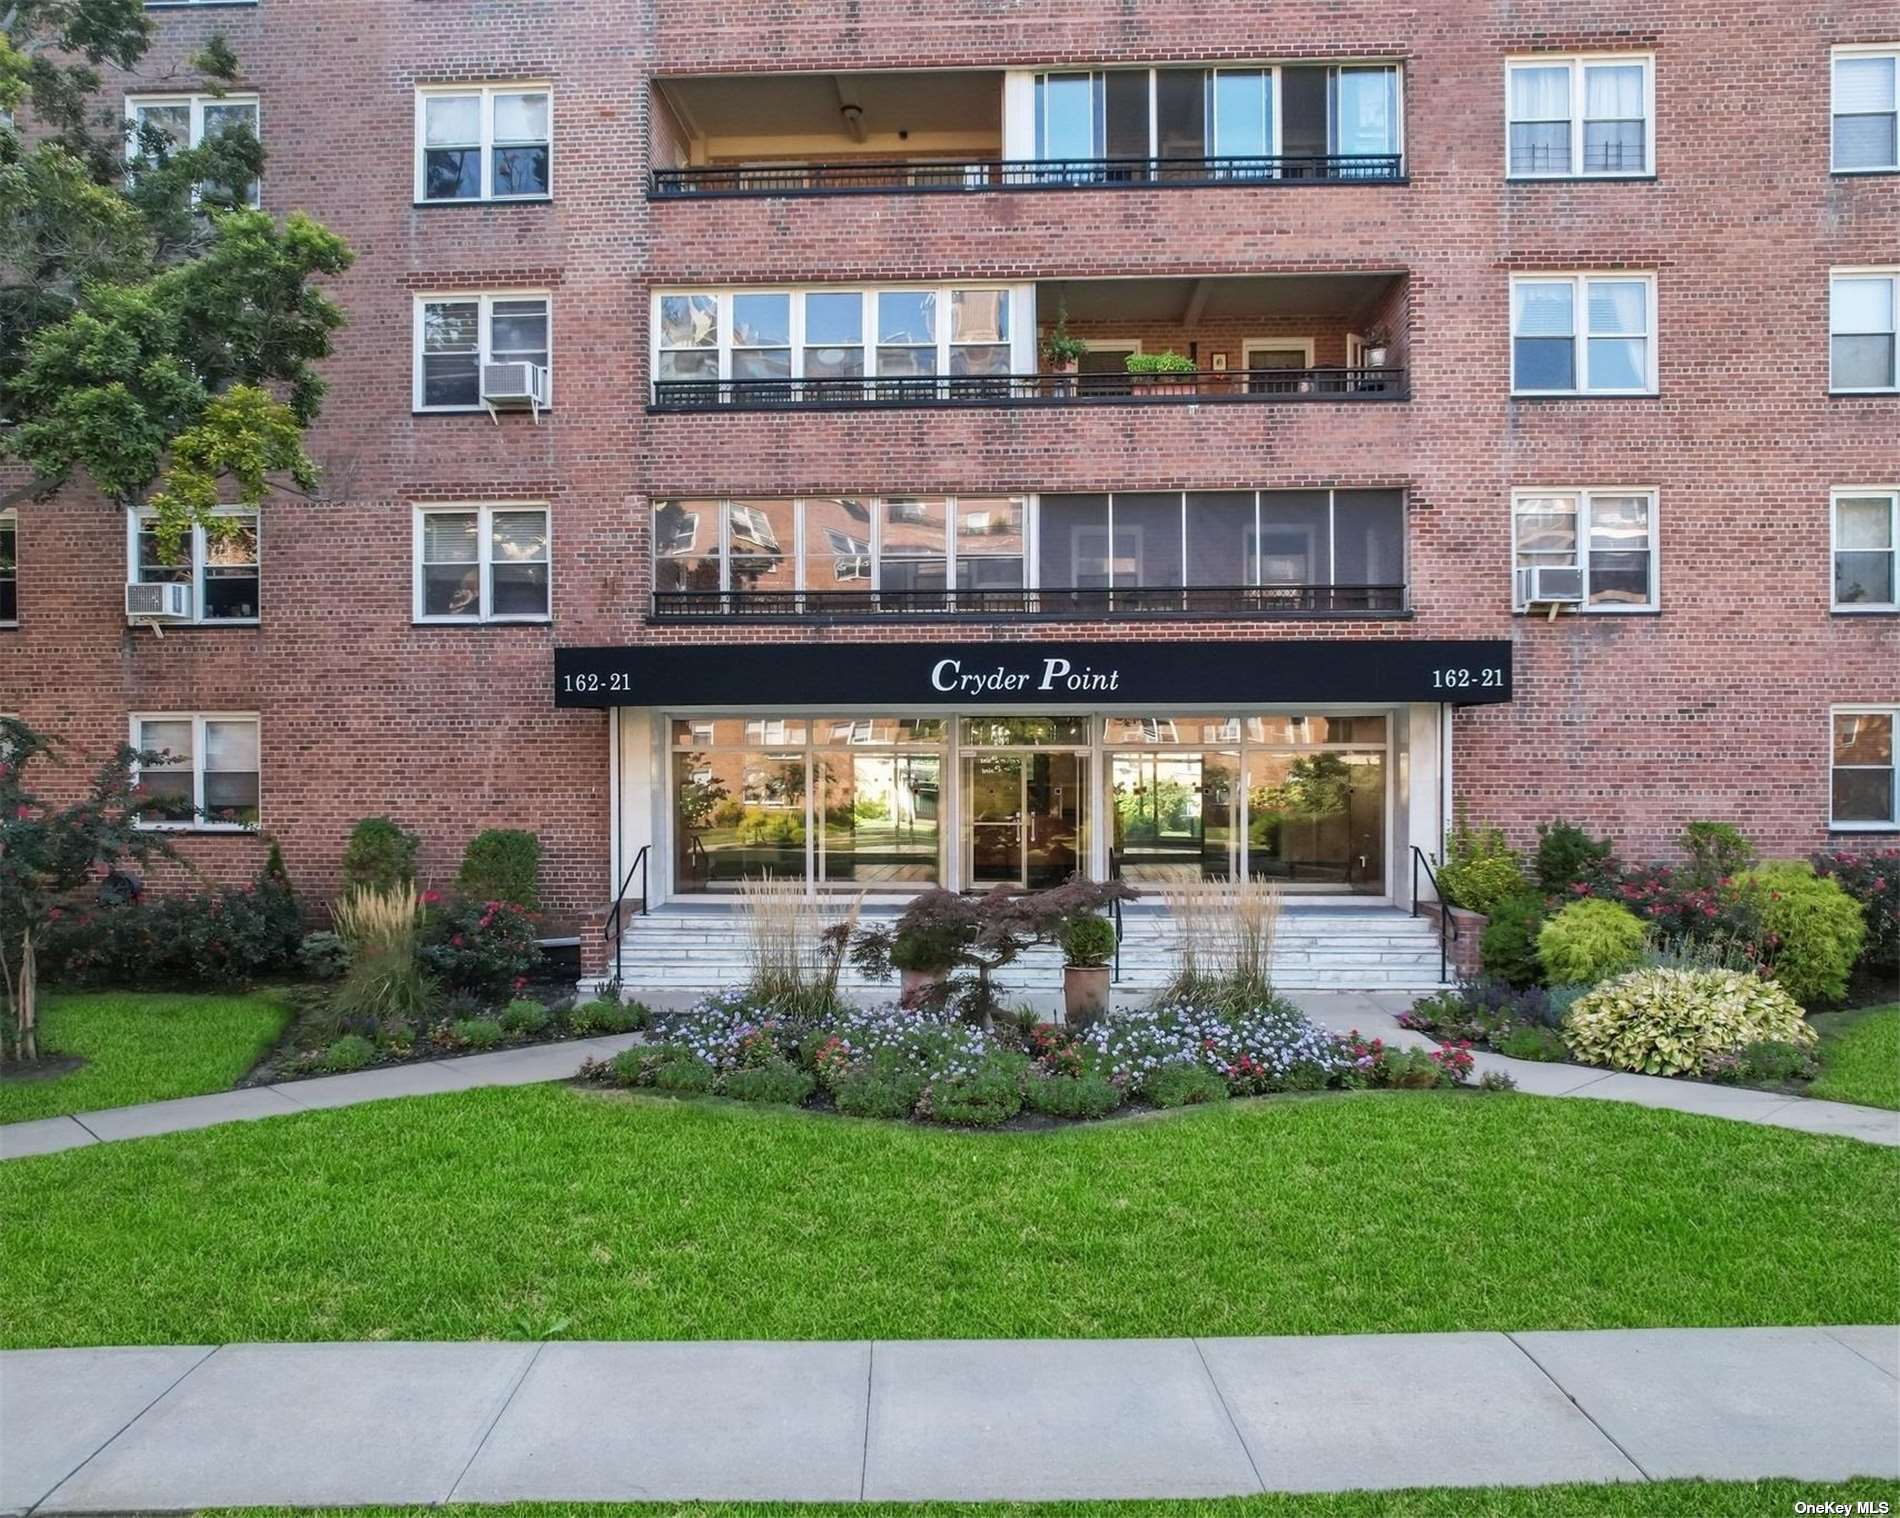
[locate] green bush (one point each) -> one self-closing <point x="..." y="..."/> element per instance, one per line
<point x="1716" y="850"/>
<point x="988" y="1094"/>
<point x="484" y="946"/>
<point x="1168" y="362"/>
<point x="1481" y="869"/>
<point x="1776" y="1062"/>
<point x="525" y="1015"/>
<point x="883" y="1087"/>
<point x="379" y="855"/>
<point x="776" y="1080"/>
<point x="1672" y="1022"/>
<point x="324" y="956"/>
<point x="1087" y="941"/>
<point x="686" y="1074"/>
<point x="1589" y="941"/>
<point x="1185" y="1086"/>
<point x="1568" y="857"/>
<point x="1073" y="1095"/>
<point x="351" y="1052"/>
<point x="1532" y="1041"/>
<point x="478" y="1032"/>
<point x="220" y="938"/>
<point x="1811" y="927"/>
<point x="502" y="864"/>
<point x="1508" y="948"/>
<point x="605" y="1015"/>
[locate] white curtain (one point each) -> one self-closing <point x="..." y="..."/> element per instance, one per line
<point x="1613" y="92"/>
<point x="1540" y="94"/>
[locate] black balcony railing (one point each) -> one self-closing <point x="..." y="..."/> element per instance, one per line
<point x="851" y="393"/>
<point x="935" y="178"/>
<point x="1122" y="601"/>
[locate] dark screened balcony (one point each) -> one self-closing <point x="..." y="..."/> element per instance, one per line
<point x="1226" y="339"/>
<point x="955" y="132"/>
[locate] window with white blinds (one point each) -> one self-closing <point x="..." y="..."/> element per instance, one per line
<point x="1866" y="110"/>
<point x="1583" y="334"/>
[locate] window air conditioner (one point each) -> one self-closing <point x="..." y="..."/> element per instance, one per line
<point x="514" y="387"/>
<point x="167" y="602"/>
<point x="1550" y="585"/>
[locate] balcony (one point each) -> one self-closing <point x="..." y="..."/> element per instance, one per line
<point x="1229" y="339"/>
<point x="1178" y="127"/>
<point x="1218" y="602"/>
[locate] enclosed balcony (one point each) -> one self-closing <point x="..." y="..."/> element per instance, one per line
<point x="955" y="132"/>
<point x="1225" y="339"/>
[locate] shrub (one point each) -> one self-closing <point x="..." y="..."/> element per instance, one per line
<point x="379" y="855"/>
<point x="1812" y="929"/>
<point x="1768" y="1062"/>
<point x="982" y="1095"/>
<point x="1716" y="850"/>
<point x="1508" y="947"/>
<point x="1674" y="906"/>
<point x="1087" y="941"/>
<point x="1168" y="362"/>
<point x="1072" y="1096"/>
<point x="217" y="938"/>
<point x="667" y="1067"/>
<point x="1481" y="869"/>
<point x="1873" y="880"/>
<point x="1669" y="1022"/>
<point x="1496" y="1080"/>
<point x="351" y="1052"/>
<point x="1419" y="1069"/>
<point x="486" y="946"/>
<point x="1567" y="857"/>
<point x="1185" y="1086"/>
<point x="478" y="1032"/>
<point x="525" y="1015"/>
<point x="606" y="1015"/>
<point x="775" y="1081"/>
<point x="1588" y="941"/>
<point x="385" y="980"/>
<point x="1531" y="1042"/>
<point x="880" y="1088"/>
<point x="324" y="956"/>
<point x="502" y="864"/>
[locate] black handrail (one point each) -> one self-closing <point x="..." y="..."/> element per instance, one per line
<point x="1115" y="905"/>
<point x="1035" y="601"/>
<point x="898" y="391"/>
<point x="964" y="176"/>
<point x="612" y="929"/>
<point x="1447" y="925"/>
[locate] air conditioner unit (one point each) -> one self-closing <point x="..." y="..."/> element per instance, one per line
<point x="166" y="602"/>
<point x="513" y="387"/>
<point x="1550" y="585"/>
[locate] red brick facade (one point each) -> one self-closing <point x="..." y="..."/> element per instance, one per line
<point x="1715" y="706"/>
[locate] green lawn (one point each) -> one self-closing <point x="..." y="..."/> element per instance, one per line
<point x="548" y="1211"/>
<point x="143" y="1048"/>
<point x="1860" y="1058"/>
<point x="1693" y="1499"/>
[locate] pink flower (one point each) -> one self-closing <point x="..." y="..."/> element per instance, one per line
<point x="431" y="896"/>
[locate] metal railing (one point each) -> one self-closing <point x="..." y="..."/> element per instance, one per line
<point x="861" y="392"/>
<point x="1447" y="926"/>
<point x="960" y="176"/>
<point x="613" y="928"/>
<point x="1142" y="600"/>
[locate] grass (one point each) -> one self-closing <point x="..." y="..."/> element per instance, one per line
<point x="548" y="1211"/>
<point x="1702" y="1499"/>
<point x="1860" y="1058"/>
<point x="142" y="1048"/>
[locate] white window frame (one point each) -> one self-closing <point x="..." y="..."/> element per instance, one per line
<point x="484" y="560"/>
<point x="196" y="102"/>
<point x="1863" y="492"/>
<point x="1890" y="273"/>
<point x="199" y="548"/>
<point x="1580" y="281"/>
<point x="1250" y="345"/>
<point x="198" y="823"/>
<point x="1892" y="821"/>
<point x="10" y="523"/>
<point x="1585" y="495"/>
<point x="1861" y="50"/>
<point x="1577" y="63"/>
<point x="483" y="342"/>
<point x="487" y="92"/>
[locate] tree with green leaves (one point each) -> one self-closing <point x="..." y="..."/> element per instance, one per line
<point x="158" y="337"/>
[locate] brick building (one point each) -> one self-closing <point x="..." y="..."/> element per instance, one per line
<point x="1533" y="447"/>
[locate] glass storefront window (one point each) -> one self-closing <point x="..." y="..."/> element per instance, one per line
<point x="842" y="732"/>
<point x="739" y="814"/>
<point x="1175" y="816"/>
<point x="1317" y="820"/>
<point x="1021" y="732"/>
<point x="880" y="819"/>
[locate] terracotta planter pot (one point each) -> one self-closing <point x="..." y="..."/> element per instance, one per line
<point x="1084" y="992"/>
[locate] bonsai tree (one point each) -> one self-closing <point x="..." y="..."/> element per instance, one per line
<point x="47" y="853"/>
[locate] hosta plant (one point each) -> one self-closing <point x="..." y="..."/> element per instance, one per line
<point x="1671" y="1022"/>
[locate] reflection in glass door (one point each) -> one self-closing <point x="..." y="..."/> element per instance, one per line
<point x="1175" y="816"/>
<point x="1023" y="818"/>
<point x="880" y="823"/>
<point x="1316" y="821"/>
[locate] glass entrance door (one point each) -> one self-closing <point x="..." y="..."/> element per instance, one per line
<point x="1024" y="818"/>
<point x="1175" y="816"/>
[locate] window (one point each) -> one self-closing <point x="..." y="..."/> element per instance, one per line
<point x="1866" y="109"/>
<point x="482" y="564"/>
<point x="1862" y="789"/>
<point x="1861" y="307"/>
<point x="208" y="777"/>
<point x="9" y="569"/>
<point x="1579" y="117"/>
<point x="491" y="143"/>
<point x="220" y="566"/>
<point x="1607" y="535"/>
<point x="1867" y="549"/>
<point x="188" y="120"/>
<point x="1574" y="334"/>
<point x="457" y="334"/>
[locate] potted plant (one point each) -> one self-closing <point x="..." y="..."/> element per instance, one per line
<point x="1088" y="944"/>
<point x="1375" y="348"/>
<point x="1166" y="373"/>
<point x="1062" y="353"/>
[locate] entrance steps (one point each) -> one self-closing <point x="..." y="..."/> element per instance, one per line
<point x="1333" y="948"/>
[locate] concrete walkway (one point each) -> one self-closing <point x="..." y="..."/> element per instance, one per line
<point x="113" y="1430"/>
<point x="1370" y="1013"/>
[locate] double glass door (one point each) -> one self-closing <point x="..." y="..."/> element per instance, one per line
<point x="1024" y="818"/>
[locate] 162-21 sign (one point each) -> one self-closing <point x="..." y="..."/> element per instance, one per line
<point x="1464" y="677"/>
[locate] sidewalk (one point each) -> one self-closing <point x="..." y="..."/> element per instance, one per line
<point x="307" y="1424"/>
<point x="1370" y="1012"/>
